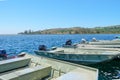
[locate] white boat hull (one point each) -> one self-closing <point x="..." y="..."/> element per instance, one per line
<point x="105" y="42"/>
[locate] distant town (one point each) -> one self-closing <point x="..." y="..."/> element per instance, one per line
<point x="77" y="30"/>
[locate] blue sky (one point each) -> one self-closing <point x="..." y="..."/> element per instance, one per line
<point x="19" y="15"/>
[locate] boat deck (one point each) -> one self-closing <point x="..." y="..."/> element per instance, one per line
<point x="86" y="50"/>
<point x="90" y="46"/>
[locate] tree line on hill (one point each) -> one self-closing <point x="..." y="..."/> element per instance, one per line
<point x="77" y="30"/>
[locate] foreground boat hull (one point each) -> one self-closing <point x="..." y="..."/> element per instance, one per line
<point x="32" y="67"/>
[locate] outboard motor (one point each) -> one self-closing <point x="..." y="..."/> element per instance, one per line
<point x="3" y="54"/>
<point x="94" y="39"/>
<point x="68" y="42"/>
<point x="42" y="47"/>
<point x="83" y="41"/>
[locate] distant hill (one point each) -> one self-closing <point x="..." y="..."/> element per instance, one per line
<point x="77" y="30"/>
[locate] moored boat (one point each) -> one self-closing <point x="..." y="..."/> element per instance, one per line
<point x="94" y="41"/>
<point x="4" y="55"/>
<point x="115" y="43"/>
<point x="84" y="56"/>
<point x="32" y="67"/>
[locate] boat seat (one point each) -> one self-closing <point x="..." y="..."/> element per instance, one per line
<point x="60" y="51"/>
<point x="10" y="64"/>
<point x="33" y="73"/>
<point x="78" y="74"/>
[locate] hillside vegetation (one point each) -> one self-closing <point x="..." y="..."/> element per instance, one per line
<point x="77" y="30"/>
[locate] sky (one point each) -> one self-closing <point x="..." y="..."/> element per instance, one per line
<point x="20" y="15"/>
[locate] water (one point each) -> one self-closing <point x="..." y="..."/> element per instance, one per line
<point x="28" y="43"/>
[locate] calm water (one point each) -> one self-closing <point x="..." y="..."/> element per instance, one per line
<point x="29" y="43"/>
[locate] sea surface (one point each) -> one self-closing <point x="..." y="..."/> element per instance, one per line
<point x="15" y="44"/>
